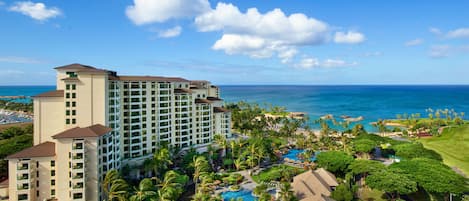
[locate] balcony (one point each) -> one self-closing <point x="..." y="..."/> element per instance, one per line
<point x="23" y="167"/>
<point x="23" y="187"/>
<point x="23" y="177"/>
<point x="77" y="167"/>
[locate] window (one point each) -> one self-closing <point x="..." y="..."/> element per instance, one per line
<point x="74" y="86"/>
<point x="52" y="192"/>
<point x="67" y="104"/>
<point x="67" y="87"/>
<point x="67" y="112"/>
<point x="67" y="95"/>
<point x="74" y="104"/>
<point x="74" y="121"/>
<point x="52" y="173"/>
<point x="74" y="95"/>
<point x="67" y="121"/>
<point x="74" y="112"/>
<point x="52" y="163"/>
<point x="52" y="182"/>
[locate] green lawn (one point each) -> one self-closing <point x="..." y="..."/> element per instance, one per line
<point x="275" y="173"/>
<point x="453" y="146"/>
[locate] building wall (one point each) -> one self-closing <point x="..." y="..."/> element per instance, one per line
<point x="49" y="118"/>
<point x="91" y="98"/>
<point x="38" y="178"/>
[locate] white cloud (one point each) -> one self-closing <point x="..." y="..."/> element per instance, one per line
<point x="37" y="11"/>
<point x="169" y="33"/>
<point x="20" y="60"/>
<point x="310" y="62"/>
<point x="151" y="11"/>
<point x="2" y="3"/>
<point x="435" y="31"/>
<point x="351" y="37"/>
<point x="414" y="42"/>
<point x="458" y="33"/>
<point x="261" y="35"/>
<point x="440" y="51"/>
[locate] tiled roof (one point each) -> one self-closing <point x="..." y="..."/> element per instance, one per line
<point x="214" y="98"/>
<point x="90" y="131"/>
<point x="149" y="78"/>
<point x="220" y="110"/>
<point x="182" y="91"/>
<point x="81" y="68"/>
<point x="46" y="149"/>
<point x="314" y="185"/>
<point x="55" y="93"/>
<point x="198" y="100"/>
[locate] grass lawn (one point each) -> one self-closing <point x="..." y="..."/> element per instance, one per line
<point x="452" y="145"/>
<point x="275" y="173"/>
<point x="368" y="194"/>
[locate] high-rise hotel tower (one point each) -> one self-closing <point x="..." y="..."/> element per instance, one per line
<point x="97" y="120"/>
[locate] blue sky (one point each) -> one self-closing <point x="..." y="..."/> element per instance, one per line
<point x="319" y="42"/>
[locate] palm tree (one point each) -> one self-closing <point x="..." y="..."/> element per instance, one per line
<point x="201" y="167"/>
<point x="111" y="176"/>
<point x="170" y="189"/>
<point x="145" y="191"/>
<point x="239" y="163"/>
<point x="118" y="191"/>
<point x="221" y="141"/>
<point x="161" y="160"/>
<point x="286" y="193"/>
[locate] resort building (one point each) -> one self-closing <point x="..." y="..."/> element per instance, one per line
<point x="314" y="185"/>
<point x="97" y="120"/>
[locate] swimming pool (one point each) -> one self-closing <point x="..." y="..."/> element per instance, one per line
<point x="293" y="154"/>
<point x="244" y="194"/>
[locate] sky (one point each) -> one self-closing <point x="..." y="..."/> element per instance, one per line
<point x="244" y="42"/>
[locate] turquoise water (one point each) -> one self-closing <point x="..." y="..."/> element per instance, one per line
<point x="293" y="155"/>
<point x="246" y="195"/>
<point x="371" y="102"/>
<point x="24" y="91"/>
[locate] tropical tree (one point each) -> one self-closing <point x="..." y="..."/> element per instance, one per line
<point x="433" y="176"/>
<point x="363" y="147"/>
<point x="111" y="176"/>
<point x="286" y="193"/>
<point x="161" y="160"/>
<point x="118" y="190"/>
<point x="222" y="143"/>
<point x="334" y="161"/>
<point x="170" y="188"/>
<point x="239" y="164"/>
<point x="392" y="182"/>
<point x="342" y="193"/>
<point x="363" y="168"/>
<point x="146" y="191"/>
<point x="201" y="167"/>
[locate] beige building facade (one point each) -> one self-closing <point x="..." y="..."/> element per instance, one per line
<point x="97" y="120"/>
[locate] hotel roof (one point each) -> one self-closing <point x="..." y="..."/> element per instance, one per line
<point x="81" y="68"/>
<point x="46" y="149"/>
<point x="211" y="98"/>
<point x="54" y="93"/>
<point x="198" y="100"/>
<point x="220" y="110"/>
<point x="149" y="78"/>
<point x="181" y="91"/>
<point x="90" y="131"/>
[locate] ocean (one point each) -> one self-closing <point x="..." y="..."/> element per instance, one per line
<point x="371" y="102"/>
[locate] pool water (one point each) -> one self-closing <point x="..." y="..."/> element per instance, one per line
<point x="244" y="194"/>
<point x="293" y="155"/>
